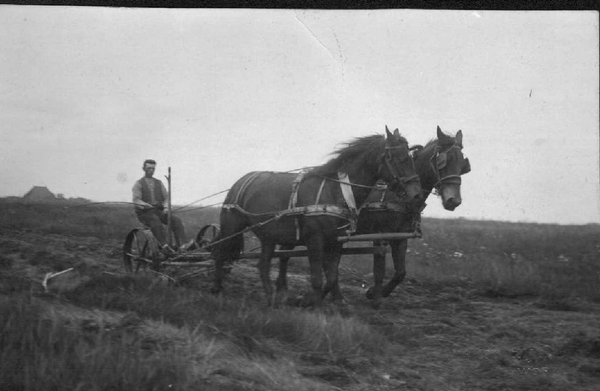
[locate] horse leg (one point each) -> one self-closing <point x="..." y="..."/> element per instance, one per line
<point x="331" y="268"/>
<point x="375" y="292"/>
<point x="399" y="256"/>
<point x="264" y="267"/>
<point x="281" y="284"/>
<point x="315" y="246"/>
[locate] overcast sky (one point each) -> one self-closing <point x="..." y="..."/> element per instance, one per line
<point x="86" y="94"/>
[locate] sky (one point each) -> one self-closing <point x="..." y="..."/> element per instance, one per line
<point x="88" y="93"/>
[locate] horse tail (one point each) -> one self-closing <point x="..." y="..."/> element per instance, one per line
<point x="229" y="242"/>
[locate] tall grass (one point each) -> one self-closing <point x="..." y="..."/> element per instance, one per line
<point x="139" y="334"/>
<point x="42" y="351"/>
<point x="180" y="306"/>
<point x="508" y="258"/>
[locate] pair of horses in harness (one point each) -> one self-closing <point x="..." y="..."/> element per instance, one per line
<point x="320" y="205"/>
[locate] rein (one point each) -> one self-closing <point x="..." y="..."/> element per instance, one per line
<point x="347" y="183"/>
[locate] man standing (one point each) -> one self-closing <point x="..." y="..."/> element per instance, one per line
<point x="150" y="198"/>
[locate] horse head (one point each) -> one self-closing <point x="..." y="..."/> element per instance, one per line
<point x="398" y="169"/>
<point x="448" y="163"/>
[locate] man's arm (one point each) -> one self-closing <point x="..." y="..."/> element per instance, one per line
<point x="137" y="197"/>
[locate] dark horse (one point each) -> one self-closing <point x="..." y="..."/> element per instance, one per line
<point x="440" y="165"/>
<point x="310" y="209"/>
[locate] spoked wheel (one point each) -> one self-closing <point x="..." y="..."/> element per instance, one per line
<point x="141" y="248"/>
<point x="207" y="235"/>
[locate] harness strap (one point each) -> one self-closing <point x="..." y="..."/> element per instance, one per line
<point x="381" y="185"/>
<point x="320" y="191"/>
<point x="295" y="187"/>
<point x="322" y="209"/>
<point x="347" y="191"/>
<point x="294" y="200"/>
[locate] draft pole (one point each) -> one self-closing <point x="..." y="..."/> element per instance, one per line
<point x="169" y="239"/>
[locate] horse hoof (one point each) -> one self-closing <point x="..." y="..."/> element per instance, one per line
<point x="369" y="293"/>
<point x="306" y="302"/>
<point x="301" y="300"/>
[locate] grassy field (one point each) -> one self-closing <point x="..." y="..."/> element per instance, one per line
<point x="486" y="306"/>
<point x="517" y="258"/>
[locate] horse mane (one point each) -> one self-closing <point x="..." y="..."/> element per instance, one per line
<point x="359" y="151"/>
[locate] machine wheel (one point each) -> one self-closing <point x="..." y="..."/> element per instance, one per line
<point x="369" y="293"/>
<point x="207" y="235"/>
<point x="141" y="248"/>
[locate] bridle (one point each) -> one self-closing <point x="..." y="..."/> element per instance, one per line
<point x="438" y="161"/>
<point x="393" y="167"/>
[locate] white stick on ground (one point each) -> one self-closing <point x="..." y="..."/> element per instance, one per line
<point x="52" y="275"/>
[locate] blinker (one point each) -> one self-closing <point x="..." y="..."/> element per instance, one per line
<point x="441" y="160"/>
<point x="466" y="168"/>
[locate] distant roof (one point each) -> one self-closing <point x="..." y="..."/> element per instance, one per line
<point x="39" y="193"/>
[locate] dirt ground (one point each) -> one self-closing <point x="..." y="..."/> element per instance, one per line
<point x="448" y="336"/>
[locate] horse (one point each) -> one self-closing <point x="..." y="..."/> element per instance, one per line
<point x="311" y="209"/>
<point x="440" y="165"/>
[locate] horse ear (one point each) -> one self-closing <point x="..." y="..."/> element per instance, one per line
<point x="440" y="134"/>
<point x="459" y="137"/>
<point x="397" y="133"/>
<point x="387" y="131"/>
